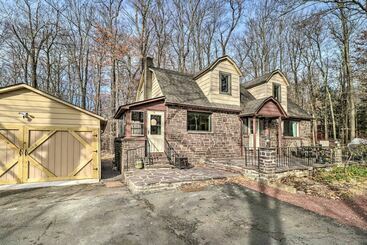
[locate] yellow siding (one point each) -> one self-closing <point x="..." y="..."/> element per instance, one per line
<point x="43" y="111"/>
<point x="156" y="90"/>
<point x="215" y="96"/>
<point x="280" y="80"/>
<point x="140" y="94"/>
<point x="260" y="91"/>
<point x="204" y="83"/>
<point x="266" y="89"/>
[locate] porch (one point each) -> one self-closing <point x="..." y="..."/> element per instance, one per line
<point x="283" y="159"/>
<point x="267" y="124"/>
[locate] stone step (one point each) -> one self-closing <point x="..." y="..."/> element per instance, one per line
<point x="159" y="165"/>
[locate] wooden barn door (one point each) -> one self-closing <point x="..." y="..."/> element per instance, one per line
<point x="60" y="154"/>
<point x="11" y="154"/>
<point x="46" y="154"/>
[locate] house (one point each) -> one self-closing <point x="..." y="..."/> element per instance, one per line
<point x="210" y="114"/>
<point x="43" y="138"/>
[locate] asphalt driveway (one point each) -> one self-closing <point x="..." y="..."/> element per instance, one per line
<point x="229" y="214"/>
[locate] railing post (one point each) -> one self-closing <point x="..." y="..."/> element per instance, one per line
<point x="338" y="156"/>
<point x="246" y="152"/>
<point x="127" y="161"/>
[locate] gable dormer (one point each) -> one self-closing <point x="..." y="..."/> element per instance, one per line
<point x="273" y="84"/>
<point x="220" y="82"/>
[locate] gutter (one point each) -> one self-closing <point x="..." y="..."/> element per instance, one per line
<point x="203" y="107"/>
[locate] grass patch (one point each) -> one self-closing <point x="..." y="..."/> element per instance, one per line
<point x="344" y="174"/>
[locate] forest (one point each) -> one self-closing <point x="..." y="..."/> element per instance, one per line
<point x="90" y="53"/>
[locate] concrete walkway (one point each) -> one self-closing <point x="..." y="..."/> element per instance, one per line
<point x="163" y="179"/>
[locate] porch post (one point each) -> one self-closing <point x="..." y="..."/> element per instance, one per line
<point x="254" y="130"/>
<point x="280" y="132"/>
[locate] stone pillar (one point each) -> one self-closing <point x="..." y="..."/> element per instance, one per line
<point x="338" y="156"/>
<point x="267" y="160"/>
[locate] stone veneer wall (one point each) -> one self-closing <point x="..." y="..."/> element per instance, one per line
<point x="223" y="141"/>
<point x="304" y="139"/>
<point x="126" y="144"/>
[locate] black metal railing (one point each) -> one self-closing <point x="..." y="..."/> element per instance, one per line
<point x="288" y="157"/>
<point x="251" y="155"/>
<point x="148" y="150"/>
<point x="134" y="155"/>
<point x="175" y="158"/>
<point x="171" y="154"/>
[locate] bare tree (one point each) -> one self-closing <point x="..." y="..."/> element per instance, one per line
<point x="236" y="9"/>
<point x="31" y="32"/>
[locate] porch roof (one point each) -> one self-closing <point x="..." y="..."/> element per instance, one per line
<point x="126" y="107"/>
<point x="267" y="107"/>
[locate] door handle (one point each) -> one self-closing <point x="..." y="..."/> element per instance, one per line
<point x="20" y="152"/>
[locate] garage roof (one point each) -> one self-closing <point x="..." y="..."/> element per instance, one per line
<point x="25" y="86"/>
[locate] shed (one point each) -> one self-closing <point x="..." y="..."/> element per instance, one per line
<point x="43" y="138"/>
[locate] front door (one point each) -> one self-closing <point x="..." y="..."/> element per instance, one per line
<point x="251" y="134"/>
<point x="155" y="128"/>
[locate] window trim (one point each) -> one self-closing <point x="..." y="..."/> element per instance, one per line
<point x="280" y="91"/>
<point x="199" y="131"/>
<point x="297" y="129"/>
<point x="229" y="83"/>
<point x="131" y="122"/>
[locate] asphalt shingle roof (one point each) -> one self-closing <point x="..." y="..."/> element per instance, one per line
<point x="296" y="111"/>
<point x="181" y="88"/>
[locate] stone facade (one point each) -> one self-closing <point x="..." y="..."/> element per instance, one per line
<point x="126" y="144"/>
<point x="304" y="139"/>
<point x="267" y="160"/>
<point x="223" y="141"/>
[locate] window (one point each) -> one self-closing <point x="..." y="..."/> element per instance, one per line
<point x="198" y="121"/>
<point x="290" y="128"/>
<point x="225" y="83"/>
<point x="245" y="127"/>
<point x="262" y="126"/>
<point x="155" y="124"/>
<point x="137" y="123"/>
<point x="276" y="92"/>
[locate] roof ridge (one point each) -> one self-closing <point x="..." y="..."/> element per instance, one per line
<point x="172" y="71"/>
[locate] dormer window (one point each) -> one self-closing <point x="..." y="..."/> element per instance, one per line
<point x="276" y="92"/>
<point x="224" y="83"/>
